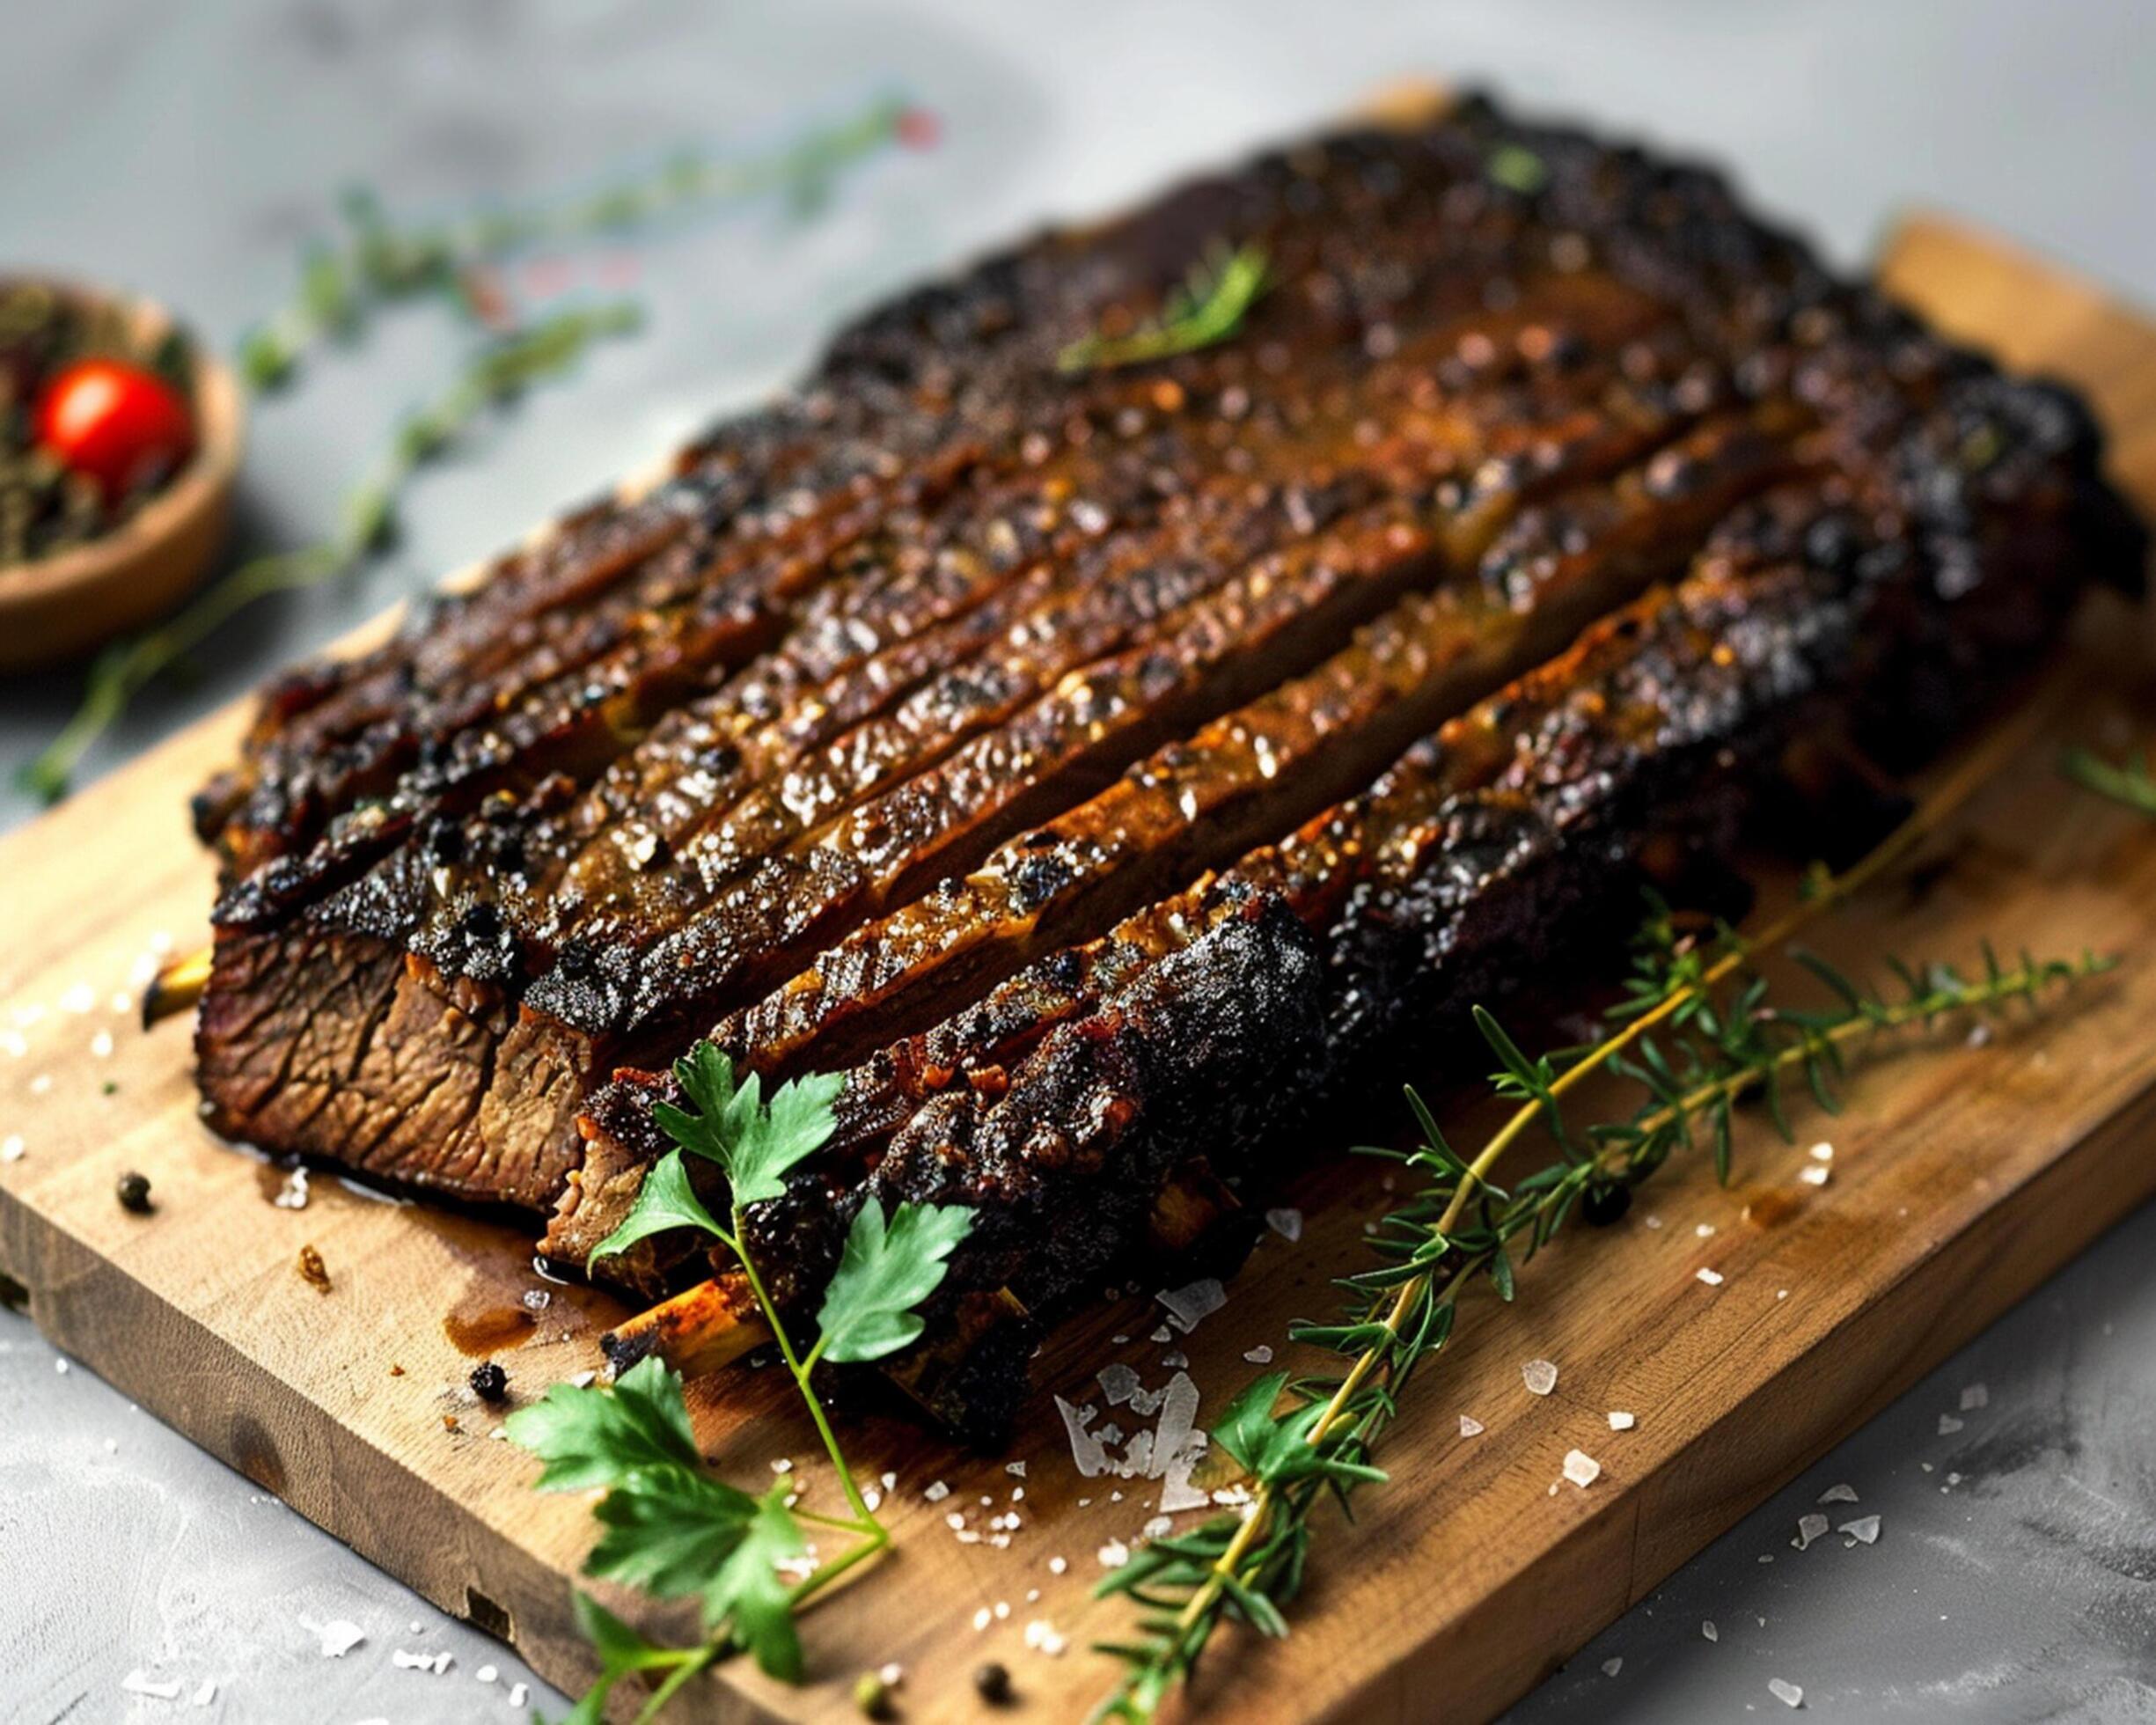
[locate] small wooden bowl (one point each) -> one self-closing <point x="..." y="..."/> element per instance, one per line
<point x="53" y="607"/>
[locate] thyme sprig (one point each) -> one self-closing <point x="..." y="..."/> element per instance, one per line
<point x="1459" y="1227"/>
<point x="2128" y="783"/>
<point x="673" y="1528"/>
<point x="1209" y="307"/>
<point x="1693" y="1052"/>
<point x="376" y="261"/>
<point x="499" y="372"/>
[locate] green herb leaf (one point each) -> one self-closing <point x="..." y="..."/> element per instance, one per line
<point x="593" y="1436"/>
<point x="1517" y="168"/>
<point x="1209" y="307"/>
<point x="2130" y="784"/>
<point x="619" y="1648"/>
<point x="665" y="1200"/>
<point x="1246" y="1429"/>
<point x="884" y="1274"/>
<point x="668" y="1531"/>
<point x="755" y="1144"/>
<point x="748" y="1593"/>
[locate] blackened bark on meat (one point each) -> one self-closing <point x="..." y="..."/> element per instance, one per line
<point x="902" y="723"/>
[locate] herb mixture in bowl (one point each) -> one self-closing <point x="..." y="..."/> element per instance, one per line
<point x="96" y="417"/>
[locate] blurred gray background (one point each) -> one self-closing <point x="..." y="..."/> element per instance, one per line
<point x="188" y="151"/>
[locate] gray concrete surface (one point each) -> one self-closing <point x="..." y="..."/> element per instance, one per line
<point x="187" y="150"/>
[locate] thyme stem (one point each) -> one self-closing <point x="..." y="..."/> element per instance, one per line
<point x="1225" y="1578"/>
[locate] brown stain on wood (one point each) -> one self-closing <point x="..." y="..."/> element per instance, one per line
<point x="1962" y="1177"/>
<point x="488" y="1329"/>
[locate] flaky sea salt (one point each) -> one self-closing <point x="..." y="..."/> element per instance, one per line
<point x="136" y="1684"/>
<point x="1287" y="1224"/>
<point x="1712" y="1278"/>
<point x="1259" y="1356"/>
<point x="1948" y="1425"/>
<point x="1809" y="1528"/>
<point x="1539" y="1375"/>
<point x="1822" y="1152"/>
<point x="1864" y="1530"/>
<point x="939" y="1491"/>
<point x="1708" y="1630"/>
<point x="12" y="1148"/>
<point x="1974" y="1396"/>
<point x="1192" y="1304"/>
<point x="1787" y="1693"/>
<point x="1814" y="1175"/>
<point x="1118" y="1383"/>
<point x="1622" y="1422"/>
<point x="1470" y="1426"/>
<point x="1838" y="1494"/>
<point x="1113" y="1555"/>
<point x="339" y="1636"/>
<point x="1581" y="1468"/>
<point x="1611" y="1667"/>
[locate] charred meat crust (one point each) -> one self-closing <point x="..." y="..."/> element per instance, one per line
<point x="899" y="726"/>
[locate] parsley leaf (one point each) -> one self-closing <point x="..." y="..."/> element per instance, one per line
<point x="667" y="1530"/>
<point x="665" y="1200"/>
<point x="884" y="1274"/>
<point x="672" y="1528"/>
<point x="796" y="1126"/>
<point x="621" y="1651"/>
<point x="591" y="1437"/>
<point x="754" y="1143"/>
<point x="751" y="1595"/>
<point x="619" y="1648"/>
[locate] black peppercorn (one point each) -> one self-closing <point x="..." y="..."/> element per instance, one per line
<point x="991" y="1684"/>
<point x="1605" y="1204"/>
<point x="135" y="1194"/>
<point x="489" y="1383"/>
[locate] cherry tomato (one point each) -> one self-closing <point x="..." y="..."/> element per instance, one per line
<point x="116" y="422"/>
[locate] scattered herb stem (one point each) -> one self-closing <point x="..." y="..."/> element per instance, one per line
<point x="1209" y="307"/>
<point x="2130" y="783"/>
<point x="1321" y="1444"/>
<point x="378" y="262"/>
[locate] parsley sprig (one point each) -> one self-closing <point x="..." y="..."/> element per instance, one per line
<point x="1696" y="1032"/>
<point x="673" y="1528"/>
<point x="1209" y="307"/>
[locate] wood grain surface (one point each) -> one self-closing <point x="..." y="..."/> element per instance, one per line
<point x="1962" y="1174"/>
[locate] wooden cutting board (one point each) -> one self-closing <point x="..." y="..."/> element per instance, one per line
<point x="1961" y="1175"/>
